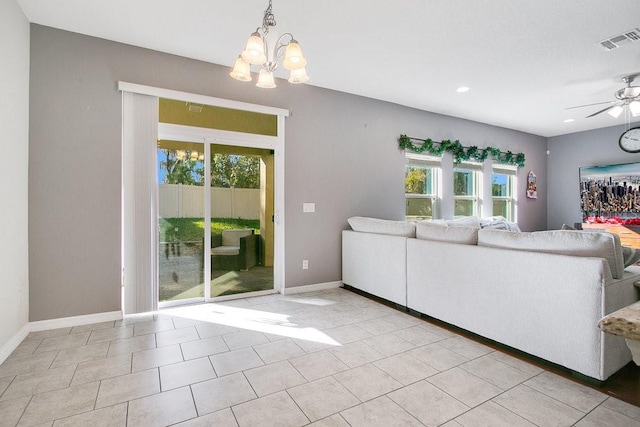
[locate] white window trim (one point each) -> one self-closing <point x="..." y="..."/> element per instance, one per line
<point x="477" y="169"/>
<point x="512" y="173"/>
<point x="414" y="159"/>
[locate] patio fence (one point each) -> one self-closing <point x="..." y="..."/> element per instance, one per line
<point x="187" y="201"/>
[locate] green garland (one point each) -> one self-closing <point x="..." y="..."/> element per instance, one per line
<point x="461" y="153"/>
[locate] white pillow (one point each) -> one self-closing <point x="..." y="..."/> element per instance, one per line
<point x="460" y="234"/>
<point x="563" y="242"/>
<point x="382" y="226"/>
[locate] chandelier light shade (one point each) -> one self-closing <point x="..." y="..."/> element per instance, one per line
<point x="257" y="51"/>
<point x="241" y="70"/>
<point x="298" y="76"/>
<point x="253" y="53"/>
<point x="634" y="107"/>
<point x="293" y="59"/>
<point x="266" y="80"/>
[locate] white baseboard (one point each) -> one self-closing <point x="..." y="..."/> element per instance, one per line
<point x="13" y="343"/>
<point x="66" y="322"/>
<point x="311" y="288"/>
<point x="44" y="325"/>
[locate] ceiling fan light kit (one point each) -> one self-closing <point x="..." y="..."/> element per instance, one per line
<point x="628" y="97"/>
<point x="615" y="111"/>
<point x="260" y="51"/>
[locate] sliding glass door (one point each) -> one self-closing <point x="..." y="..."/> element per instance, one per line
<point x="216" y="210"/>
<point x="168" y="202"/>
<point x="241" y="220"/>
<point x="181" y="201"/>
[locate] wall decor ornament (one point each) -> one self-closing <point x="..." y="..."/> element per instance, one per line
<point x="611" y="192"/>
<point x="532" y="186"/>
<point x="460" y="153"/>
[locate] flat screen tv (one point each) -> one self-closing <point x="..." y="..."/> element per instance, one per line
<point x="610" y="191"/>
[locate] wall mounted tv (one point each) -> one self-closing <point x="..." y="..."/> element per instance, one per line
<point x="610" y="191"/>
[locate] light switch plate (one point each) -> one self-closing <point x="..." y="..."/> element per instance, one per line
<point x="308" y="207"/>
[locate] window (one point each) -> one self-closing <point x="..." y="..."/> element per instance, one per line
<point x="503" y="185"/>
<point x="466" y="189"/>
<point x="421" y="186"/>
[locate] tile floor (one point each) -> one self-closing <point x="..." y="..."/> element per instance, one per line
<point x="330" y="358"/>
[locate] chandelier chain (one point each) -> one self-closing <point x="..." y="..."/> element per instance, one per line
<point x="269" y="20"/>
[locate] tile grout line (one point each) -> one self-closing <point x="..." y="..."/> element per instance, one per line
<point x="25" y="409"/>
<point x="298" y="406"/>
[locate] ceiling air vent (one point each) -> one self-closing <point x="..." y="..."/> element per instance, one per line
<point x="621" y="39"/>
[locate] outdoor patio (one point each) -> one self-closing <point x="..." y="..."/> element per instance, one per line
<point x="182" y="274"/>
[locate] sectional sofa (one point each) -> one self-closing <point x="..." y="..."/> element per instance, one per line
<point x="541" y="293"/>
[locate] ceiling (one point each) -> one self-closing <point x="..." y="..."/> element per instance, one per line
<point x="525" y="61"/>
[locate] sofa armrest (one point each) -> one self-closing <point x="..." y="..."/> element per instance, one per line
<point x="376" y="264"/>
<point x="248" y="251"/>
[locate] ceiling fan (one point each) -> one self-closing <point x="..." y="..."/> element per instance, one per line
<point x="628" y="97"/>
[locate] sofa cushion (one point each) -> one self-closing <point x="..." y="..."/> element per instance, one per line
<point x="458" y="234"/>
<point x="434" y="222"/>
<point x="563" y="242"/>
<point x="382" y="226"/>
<point x="225" y="250"/>
<point x="232" y="237"/>
<point x="630" y="256"/>
<point x="465" y="221"/>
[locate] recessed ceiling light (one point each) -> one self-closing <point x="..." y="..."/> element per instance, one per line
<point x="570" y="120"/>
<point x="462" y="89"/>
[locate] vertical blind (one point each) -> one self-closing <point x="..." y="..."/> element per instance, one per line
<point x="139" y="202"/>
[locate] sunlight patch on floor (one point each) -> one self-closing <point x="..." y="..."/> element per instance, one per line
<point x="254" y="320"/>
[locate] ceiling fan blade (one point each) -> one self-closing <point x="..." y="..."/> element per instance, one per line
<point x="601" y="111"/>
<point x="589" y="105"/>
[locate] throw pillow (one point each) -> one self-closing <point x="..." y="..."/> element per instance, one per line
<point x="631" y="255"/>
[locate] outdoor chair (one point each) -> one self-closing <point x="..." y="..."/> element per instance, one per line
<point x="234" y="250"/>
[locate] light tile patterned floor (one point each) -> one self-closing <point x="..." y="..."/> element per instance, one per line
<point x="329" y="358"/>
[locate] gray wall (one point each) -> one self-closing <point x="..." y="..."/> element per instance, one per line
<point x="14" y="144"/>
<point x="341" y="153"/>
<point x="567" y="153"/>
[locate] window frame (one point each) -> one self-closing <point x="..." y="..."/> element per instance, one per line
<point x="512" y="181"/>
<point x="425" y="161"/>
<point x="477" y="196"/>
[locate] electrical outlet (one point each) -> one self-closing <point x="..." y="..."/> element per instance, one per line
<point x="305" y="264"/>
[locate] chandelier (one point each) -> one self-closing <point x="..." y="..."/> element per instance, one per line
<point x="261" y="51"/>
